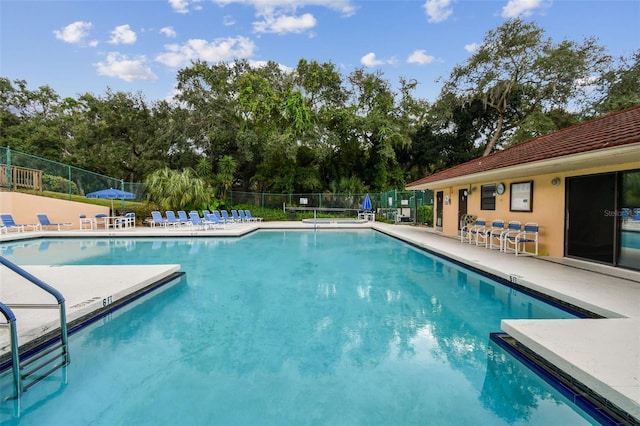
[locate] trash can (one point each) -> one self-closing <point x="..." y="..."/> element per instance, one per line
<point x="292" y="215"/>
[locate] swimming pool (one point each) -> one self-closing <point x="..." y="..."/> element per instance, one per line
<point x="295" y="327"/>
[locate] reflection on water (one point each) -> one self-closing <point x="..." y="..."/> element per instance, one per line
<point x="298" y="328"/>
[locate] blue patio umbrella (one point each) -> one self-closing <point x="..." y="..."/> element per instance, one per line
<point x="366" y="204"/>
<point x="112" y="194"/>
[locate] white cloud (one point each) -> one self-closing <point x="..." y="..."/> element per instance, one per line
<point x="180" y="6"/>
<point x="471" y="47"/>
<point x="515" y="8"/>
<point x="279" y="7"/>
<point x="261" y="64"/>
<point x="120" y="66"/>
<point x="285" y="24"/>
<point x="215" y="51"/>
<point x="74" y="33"/>
<point x="420" y="57"/>
<point x="169" y="32"/>
<point x="228" y="21"/>
<point x="369" y="60"/>
<point x="438" y="10"/>
<point x="123" y="35"/>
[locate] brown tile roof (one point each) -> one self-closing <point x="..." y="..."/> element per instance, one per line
<point x="620" y="128"/>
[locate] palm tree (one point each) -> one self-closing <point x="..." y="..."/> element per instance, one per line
<point x="172" y="190"/>
<point x="225" y="175"/>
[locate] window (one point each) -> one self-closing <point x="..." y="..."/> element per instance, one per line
<point x="488" y="197"/>
<point x="522" y="196"/>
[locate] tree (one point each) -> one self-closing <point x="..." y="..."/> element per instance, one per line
<point x="172" y="190"/>
<point x="516" y="72"/>
<point x="225" y="175"/>
<point x="620" y="88"/>
<point x="439" y="145"/>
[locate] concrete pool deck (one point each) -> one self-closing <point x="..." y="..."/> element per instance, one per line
<point x="603" y="354"/>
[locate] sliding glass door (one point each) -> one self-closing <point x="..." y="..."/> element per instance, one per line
<point x="629" y="220"/>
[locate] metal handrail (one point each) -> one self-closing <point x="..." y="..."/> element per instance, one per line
<point x="35" y="280"/>
<point x="9" y="314"/>
<point x="15" y="355"/>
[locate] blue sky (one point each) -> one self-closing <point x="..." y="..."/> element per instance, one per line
<point x="79" y="46"/>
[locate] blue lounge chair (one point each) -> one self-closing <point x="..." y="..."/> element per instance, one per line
<point x="183" y="218"/>
<point x="235" y="216"/>
<point x="215" y="221"/>
<point x="197" y="221"/>
<point x="171" y="218"/>
<point x="225" y="217"/>
<point x="247" y="213"/>
<point x="44" y="221"/>
<point x="158" y="220"/>
<point x="7" y="220"/>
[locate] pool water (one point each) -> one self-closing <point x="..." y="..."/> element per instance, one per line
<point x="293" y="328"/>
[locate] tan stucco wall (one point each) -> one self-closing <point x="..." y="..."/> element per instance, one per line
<point x="24" y="208"/>
<point x="548" y="205"/>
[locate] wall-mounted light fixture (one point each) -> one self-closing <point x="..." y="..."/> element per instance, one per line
<point x="474" y="189"/>
<point x="555" y="181"/>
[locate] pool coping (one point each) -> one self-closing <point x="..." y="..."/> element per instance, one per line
<point x="594" y="289"/>
<point x="90" y="292"/>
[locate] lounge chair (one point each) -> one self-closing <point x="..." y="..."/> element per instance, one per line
<point x="183" y="218"/>
<point x="44" y="221"/>
<point x="126" y="221"/>
<point x="243" y="217"/>
<point x="225" y="217"/>
<point x="158" y="220"/>
<point x="236" y="216"/>
<point x="8" y="221"/>
<point x="171" y="218"/>
<point x="215" y="221"/>
<point x="252" y="218"/>
<point x="197" y="221"/>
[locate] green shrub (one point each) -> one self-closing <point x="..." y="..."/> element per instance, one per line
<point x="425" y="215"/>
<point x="58" y="184"/>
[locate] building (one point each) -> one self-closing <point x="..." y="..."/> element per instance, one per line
<point x="581" y="185"/>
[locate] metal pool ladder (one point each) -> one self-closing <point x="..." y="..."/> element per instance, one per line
<point x="41" y="363"/>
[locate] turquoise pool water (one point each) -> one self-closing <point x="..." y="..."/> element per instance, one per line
<point x="294" y="328"/>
